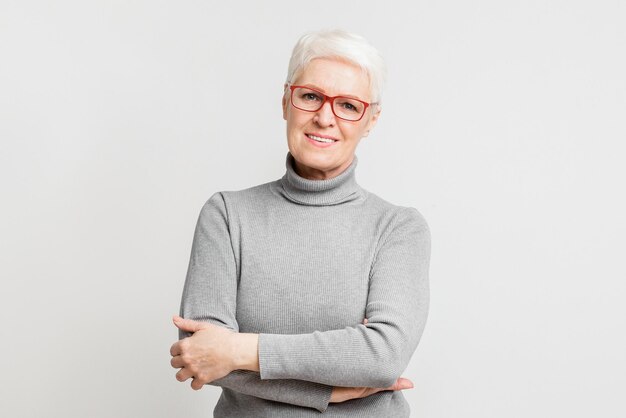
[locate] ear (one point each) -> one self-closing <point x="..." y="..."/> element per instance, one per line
<point x="285" y="101"/>
<point x="373" y="119"/>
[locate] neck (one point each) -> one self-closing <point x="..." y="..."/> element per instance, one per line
<point x="341" y="188"/>
<point x="315" y="174"/>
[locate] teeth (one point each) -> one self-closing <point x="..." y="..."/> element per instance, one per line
<point x="318" y="139"/>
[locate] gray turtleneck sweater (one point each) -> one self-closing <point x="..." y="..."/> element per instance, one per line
<point x="302" y="262"/>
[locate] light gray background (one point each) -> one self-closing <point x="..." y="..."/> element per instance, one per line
<point x="503" y="123"/>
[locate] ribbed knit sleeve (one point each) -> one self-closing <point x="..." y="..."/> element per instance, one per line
<point x="210" y="294"/>
<point x="376" y="354"/>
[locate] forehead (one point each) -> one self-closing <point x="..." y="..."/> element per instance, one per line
<point x="335" y="77"/>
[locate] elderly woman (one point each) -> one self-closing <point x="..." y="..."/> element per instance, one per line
<point x="309" y="294"/>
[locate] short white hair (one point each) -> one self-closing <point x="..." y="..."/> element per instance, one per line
<point x="337" y="43"/>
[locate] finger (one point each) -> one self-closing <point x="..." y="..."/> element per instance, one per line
<point x="197" y="384"/>
<point x="177" y="362"/>
<point x="183" y="374"/>
<point x="188" y="324"/>
<point x="365" y="321"/>
<point x="175" y="349"/>
<point x="401" y="384"/>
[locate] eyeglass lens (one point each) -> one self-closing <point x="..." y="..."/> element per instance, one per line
<point x="311" y="100"/>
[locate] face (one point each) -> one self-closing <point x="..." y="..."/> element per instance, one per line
<point x="315" y="160"/>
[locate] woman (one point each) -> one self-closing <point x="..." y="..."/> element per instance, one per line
<point x="309" y="294"/>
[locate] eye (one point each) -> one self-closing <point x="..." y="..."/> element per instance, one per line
<point x="349" y="106"/>
<point x="311" y="97"/>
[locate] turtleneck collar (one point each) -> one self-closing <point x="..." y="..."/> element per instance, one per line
<point x="339" y="189"/>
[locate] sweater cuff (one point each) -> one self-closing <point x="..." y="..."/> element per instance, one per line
<point x="269" y="358"/>
<point x="319" y="397"/>
<point x="272" y="366"/>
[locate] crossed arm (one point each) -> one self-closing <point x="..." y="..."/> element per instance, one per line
<point x="303" y="369"/>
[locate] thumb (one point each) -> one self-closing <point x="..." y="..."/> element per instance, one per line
<point x="188" y="324"/>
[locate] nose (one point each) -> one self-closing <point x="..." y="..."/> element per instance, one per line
<point x="325" y="116"/>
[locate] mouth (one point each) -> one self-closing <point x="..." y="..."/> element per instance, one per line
<point x="321" y="138"/>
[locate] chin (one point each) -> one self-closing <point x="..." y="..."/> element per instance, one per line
<point x="319" y="160"/>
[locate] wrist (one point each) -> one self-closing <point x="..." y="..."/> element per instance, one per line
<point x="334" y="396"/>
<point x="338" y="395"/>
<point x="246" y="351"/>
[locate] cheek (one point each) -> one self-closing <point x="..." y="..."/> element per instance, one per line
<point x="354" y="132"/>
<point x="297" y="120"/>
<point x="294" y="126"/>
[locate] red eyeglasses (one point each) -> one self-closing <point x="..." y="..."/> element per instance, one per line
<point x="311" y="100"/>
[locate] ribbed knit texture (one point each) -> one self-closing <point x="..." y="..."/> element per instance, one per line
<point x="301" y="262"/>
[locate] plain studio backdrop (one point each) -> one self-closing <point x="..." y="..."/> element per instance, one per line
<point x="503" y="123"/>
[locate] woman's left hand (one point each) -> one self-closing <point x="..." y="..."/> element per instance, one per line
<point x="205" y="356"/>
<point x="341" y="394"/>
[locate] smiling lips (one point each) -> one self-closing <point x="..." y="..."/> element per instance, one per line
<point x="323" y="140"/>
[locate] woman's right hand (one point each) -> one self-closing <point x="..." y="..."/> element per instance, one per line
<point x="342" y="394"/>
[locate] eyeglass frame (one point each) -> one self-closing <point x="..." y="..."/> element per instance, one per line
<point x="330" y="99"/>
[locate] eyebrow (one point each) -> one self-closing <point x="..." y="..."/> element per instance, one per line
<point x="313" y="86"/>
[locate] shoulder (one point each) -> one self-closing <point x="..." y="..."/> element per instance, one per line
<point x="226" y="201"/>
<point x="402" y="232"/>
<point x="398" y="228"/>
<point x="393" y="216"/>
